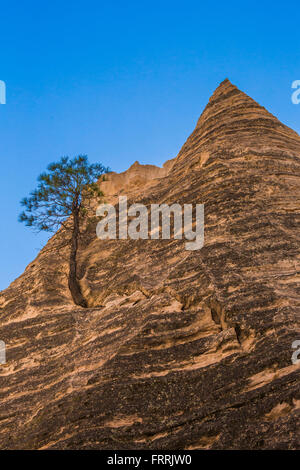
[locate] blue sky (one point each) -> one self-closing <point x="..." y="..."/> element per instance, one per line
<point x="124" y="81"/>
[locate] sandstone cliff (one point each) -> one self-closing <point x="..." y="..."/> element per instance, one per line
<point x="178" y="349"/>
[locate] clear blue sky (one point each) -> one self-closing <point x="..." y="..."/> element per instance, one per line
<point x="124" y="81"/>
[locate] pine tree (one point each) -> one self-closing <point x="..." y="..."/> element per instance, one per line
<point x="61" y="200"/>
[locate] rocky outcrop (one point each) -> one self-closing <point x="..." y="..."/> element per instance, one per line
<point x="177" y="349"/>
<point x="136" y="177"/>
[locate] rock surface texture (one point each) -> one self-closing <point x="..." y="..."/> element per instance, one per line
<point x="177" y="349"/>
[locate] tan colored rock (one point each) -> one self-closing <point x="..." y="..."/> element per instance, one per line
<point x="178" y="349"/>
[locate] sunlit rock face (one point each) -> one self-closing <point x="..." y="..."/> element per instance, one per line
<point x="178" y="349"/>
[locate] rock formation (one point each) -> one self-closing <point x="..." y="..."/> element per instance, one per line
<point x="177" y="349"/>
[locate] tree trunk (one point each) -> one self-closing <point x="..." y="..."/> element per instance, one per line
<point x="73" y="281"/>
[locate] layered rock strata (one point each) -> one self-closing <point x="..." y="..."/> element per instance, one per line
<point x="178" y="349"/>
